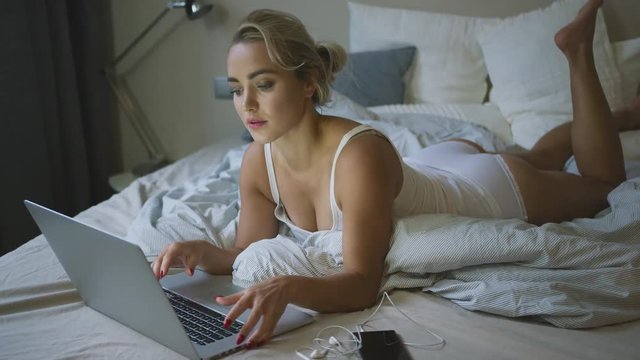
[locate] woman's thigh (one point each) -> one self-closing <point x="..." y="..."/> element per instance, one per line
<point x="555" y="196"/>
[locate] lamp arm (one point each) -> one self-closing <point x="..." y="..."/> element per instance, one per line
<point x="136" y="117"/>
<point x="139" y="37"/>
<point x="126" y="99"/>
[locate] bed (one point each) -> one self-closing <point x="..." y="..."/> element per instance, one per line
<point x="499" y="289"/>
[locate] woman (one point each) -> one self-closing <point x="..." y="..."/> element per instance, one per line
<point x="329" y="173"/>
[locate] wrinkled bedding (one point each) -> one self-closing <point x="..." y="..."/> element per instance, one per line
<point x="42" y="315"/>
<point x="577" y="274"/>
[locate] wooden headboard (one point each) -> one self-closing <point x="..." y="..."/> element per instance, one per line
<point x="621" y="16"/>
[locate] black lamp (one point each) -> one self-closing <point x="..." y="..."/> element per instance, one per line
<point x="156" y="152"/>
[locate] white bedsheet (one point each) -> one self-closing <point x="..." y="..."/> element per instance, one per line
<point x="41" y="315"/>
<point x="578" y="274"/>
<point x="582" y="273"/>
<point x="487" y="115"/>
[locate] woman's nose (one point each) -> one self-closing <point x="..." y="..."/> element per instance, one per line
<point x="250" y="103"/>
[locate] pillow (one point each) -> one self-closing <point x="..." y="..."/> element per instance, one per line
<point x="530" y="75"/>
<point x="487" y="115"/>
<point x="448" y="68"/>
<point x="342" y="106"/>
<point x="374" y="78"/>
<point x="627" y="53"/>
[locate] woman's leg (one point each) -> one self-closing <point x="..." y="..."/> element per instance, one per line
<point x="551" y="151"/>
<point x="594" y="137"/>
<point x="628" y="118"/>
<point x="554" y="148"/>
<point x="551" y="195"/>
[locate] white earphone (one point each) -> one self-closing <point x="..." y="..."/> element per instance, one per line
<point x="331" y="347"/>
<point x="335" y="342"/>
<point x="315" y="354"/>
<point x="318" y="354"/>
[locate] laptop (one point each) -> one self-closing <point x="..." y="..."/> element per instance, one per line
<point x="114" y="278"/>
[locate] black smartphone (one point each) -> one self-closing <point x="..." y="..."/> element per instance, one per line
<point x="382" y="345"/>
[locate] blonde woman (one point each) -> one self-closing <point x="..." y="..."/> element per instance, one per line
<point x="314" y="172"/>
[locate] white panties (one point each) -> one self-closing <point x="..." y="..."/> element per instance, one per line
<point x="487" y="171"/>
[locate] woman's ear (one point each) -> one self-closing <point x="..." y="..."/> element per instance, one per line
<point x="311" y="83"/>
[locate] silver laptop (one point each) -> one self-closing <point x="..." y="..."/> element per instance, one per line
<point x="114" y="278"/>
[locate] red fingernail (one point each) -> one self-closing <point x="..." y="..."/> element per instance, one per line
<point x="191" y="271"/>
<point x="226" y="323"/>
<point x="240" y="339"/>
<point x="161" y="274"/>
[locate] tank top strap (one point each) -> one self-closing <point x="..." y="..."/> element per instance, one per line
<point x="335" y="211"/>
<point x="271" y="173"/>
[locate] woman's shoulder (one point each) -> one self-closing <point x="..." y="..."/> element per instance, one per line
<point x="340" y="127"/>
<point x="253" y="160"/>
<point x="337" y="127"/>
<point x="369" y="144"/>
<point x="372" y="164"/>
<point x="253" y="172"/>
<point x="254" y="151"/>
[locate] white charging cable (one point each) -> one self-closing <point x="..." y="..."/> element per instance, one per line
<point x="439" y="344"/>
<point x="332" y="347"/>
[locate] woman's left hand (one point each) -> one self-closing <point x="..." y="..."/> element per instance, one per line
<point x="267" y="300"/>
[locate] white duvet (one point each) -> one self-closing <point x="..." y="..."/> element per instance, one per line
<point x="577" y="274"/>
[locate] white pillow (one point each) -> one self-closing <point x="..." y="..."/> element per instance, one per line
<point x="530" y="75"/>
<point x="627" y="54"/>
<point x="487" y="115"/>
<point x="448" y="68"/>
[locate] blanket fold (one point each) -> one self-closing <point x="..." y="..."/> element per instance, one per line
<point x="577" y="274"/>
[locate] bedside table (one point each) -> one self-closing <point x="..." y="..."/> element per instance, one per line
<point x="119" y="182"/>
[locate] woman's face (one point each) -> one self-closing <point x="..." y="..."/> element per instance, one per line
<point x="269" y="100"/>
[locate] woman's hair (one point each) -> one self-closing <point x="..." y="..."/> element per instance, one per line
<point x="290" y="46"/>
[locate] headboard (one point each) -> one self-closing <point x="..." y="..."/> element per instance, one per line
<point x="621" y="16"/>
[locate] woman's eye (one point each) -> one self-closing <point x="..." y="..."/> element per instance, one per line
<point x="235" y="91"/>
<point x="265" y="86"/>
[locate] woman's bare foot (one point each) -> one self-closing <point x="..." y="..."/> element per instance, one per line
<point x="578" y="34"/>
<point x="628" y="118"/>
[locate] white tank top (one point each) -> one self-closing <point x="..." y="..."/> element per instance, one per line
<point x="423" y="192"/>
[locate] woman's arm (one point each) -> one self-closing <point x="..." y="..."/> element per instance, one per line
<point x="368" y="178"/>
<point x="256" y="216"/>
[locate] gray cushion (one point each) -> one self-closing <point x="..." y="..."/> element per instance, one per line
<point x="374" y="78"/>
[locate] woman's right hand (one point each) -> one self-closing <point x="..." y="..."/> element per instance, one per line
<point x="186" y="253"/>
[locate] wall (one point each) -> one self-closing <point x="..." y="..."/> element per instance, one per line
<point x="171" y="71"/>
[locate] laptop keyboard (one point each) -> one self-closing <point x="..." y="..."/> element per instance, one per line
<point x="203" y="325"/>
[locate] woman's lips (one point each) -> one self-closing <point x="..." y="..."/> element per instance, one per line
<point x="256" y="123"/>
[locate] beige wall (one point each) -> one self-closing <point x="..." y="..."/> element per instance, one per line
<point x="171" y="71"/>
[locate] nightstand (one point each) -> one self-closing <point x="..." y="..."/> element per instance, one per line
<point x="119" y="182"/>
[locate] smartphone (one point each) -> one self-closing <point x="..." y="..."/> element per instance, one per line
<point x="382" y="345"/>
